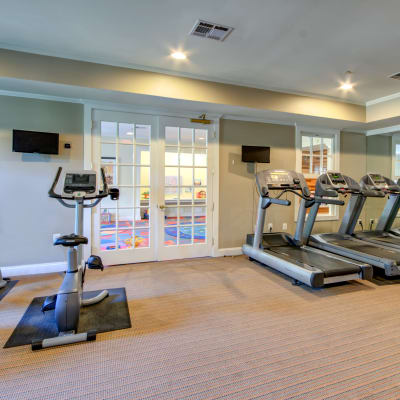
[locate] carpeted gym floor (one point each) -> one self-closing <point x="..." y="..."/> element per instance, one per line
<point x="220" y="328"/>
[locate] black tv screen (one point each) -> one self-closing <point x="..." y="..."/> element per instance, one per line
<point x="35" y="142"/>
<point x="255" y="154"/>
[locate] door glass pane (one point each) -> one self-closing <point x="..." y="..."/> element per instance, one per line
<point x="171" y="156"/>
<point x="142" y="217"/>
<point x="142" y="196"/>
<point x="108" y="239"/>
<point x="142" y="155"/>
<point x="171" y="196"/>
<point x="171" y="136"/>
<point x="109" y="171"/>
<point x="170" y="216"/>
<point x="125" y="218"/>
<point x="142" y="238"/>
<point x="108" y="153"/>
<point x="125" y="154"/>
<point x="125" y="197"/>
<point x="125" y="239"/>
<point x="171" y="176"/>
<point x="200" y="177"/>
<point x="125" y="175"/>
<point x="186" y="216"/>
<point x="199" y="215"/>
<point x="185" y="234"/>
<point x="186" y="195"/>
<point x="200" y="157"/>
<point x="200" y="137"/>
<point x="143" y="134"/>
<point x="108" y="130"/>
<point x="186" y="176"/>
<point x="186" y="157"/>
<point x="126" y="132"/>
<point x="170" y="236"/>
<point x="199" y="234"/>
<point x="142" y="176"/>
<point x="186" y="137"/>
<point x="108" y="218"/>
<point x="200" y="196"/>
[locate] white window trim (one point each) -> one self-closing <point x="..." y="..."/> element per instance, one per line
<point x="395" y="141"/>
<point x="321" y="132"/>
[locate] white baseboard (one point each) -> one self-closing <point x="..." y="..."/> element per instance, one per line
<point x="231" y="251"/>
<point x="33" y="269"/>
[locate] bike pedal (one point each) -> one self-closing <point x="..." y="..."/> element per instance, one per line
<point x="49" y="303"/>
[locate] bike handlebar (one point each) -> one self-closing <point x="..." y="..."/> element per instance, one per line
<point x="104" y="193"/>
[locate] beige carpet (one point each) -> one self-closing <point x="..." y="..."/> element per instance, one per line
<point x="215" y="329"/>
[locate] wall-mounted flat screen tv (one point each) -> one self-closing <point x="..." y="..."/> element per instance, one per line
<point x="255" y="154"/>
<point x="35" y="142"/>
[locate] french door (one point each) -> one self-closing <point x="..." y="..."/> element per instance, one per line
<point x="123" y="144"/>
<point x="184" y="191"/>
<point x="161" y="166"/>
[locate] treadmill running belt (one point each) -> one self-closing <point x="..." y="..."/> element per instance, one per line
<point x="365" y="247"/>
<point x="329" y="265"/>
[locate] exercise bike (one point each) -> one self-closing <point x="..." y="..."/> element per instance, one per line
<point x="3" y="282"/>
<point x="83" y="189"/>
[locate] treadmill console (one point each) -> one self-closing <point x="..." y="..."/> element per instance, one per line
<point x="336" y="180"/>
<point x="378" y="181"/>
<point x="80" y="184"/>
<point x="280" y="179"/>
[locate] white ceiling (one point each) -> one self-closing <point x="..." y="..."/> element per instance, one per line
<point x="290" y="45"/>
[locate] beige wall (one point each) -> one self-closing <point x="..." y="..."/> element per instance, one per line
<point x="28" y="217"/>
<point x="378" y="160"/>
<point x="18" y="65"/>
<point x="238" y="196"/>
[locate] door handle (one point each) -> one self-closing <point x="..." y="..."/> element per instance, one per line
<point x="161" y="207"/>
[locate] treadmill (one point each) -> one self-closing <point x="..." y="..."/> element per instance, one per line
<point x="376" y="185"/>
<point x="344" y="243"/>
<point x="390" y="211"/>
<point x="287" y="253"/>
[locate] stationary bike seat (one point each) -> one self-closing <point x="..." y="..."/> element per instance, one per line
<point x="71" y="240"/>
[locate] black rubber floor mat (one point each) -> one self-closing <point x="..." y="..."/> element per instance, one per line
<point x="109" y="315"/>
<point x="5" y="290"/>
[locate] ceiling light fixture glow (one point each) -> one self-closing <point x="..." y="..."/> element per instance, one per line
<point x="178" y="55"/>
<point x="347" y="85"/>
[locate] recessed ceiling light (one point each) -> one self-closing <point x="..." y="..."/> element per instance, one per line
<point x="347" y="85"/>
<point x="178" y="55"/>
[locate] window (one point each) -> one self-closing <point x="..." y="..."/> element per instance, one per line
<point x="396" y="156"/>
<point x="316" y="154"/>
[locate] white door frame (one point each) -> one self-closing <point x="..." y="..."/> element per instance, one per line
<point x="213" y="151"/>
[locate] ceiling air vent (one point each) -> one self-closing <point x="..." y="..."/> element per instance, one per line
<point x="210" y="30"/>
<point x="395" y="76"/>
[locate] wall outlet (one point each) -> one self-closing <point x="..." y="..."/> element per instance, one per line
<point x="269" y="227"/>
<point x="56" y="236"/>
<point x="372" y="221"/>
<point x="360" y="224"/>
<point x="284" y="226"/>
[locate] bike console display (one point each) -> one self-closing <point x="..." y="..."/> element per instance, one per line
<point x="80" y="183"/>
